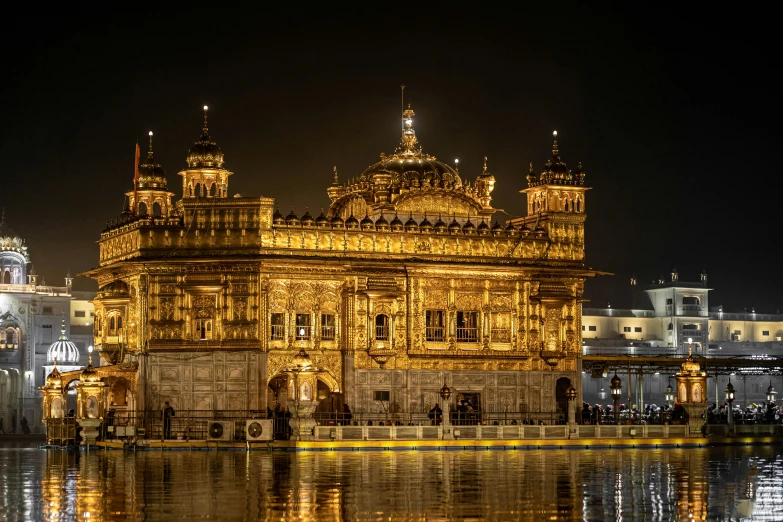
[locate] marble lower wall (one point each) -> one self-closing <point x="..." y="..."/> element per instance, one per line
<point x="417" y="390"/>
<point x="219" y="380"/>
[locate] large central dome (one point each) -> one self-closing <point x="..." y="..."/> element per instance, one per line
<point x="410" y="181"/>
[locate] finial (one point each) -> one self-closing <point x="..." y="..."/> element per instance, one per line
<point x="206" y="127"/>
<point x="336" y="181"/>
<point x="485" y="164"/>
<point x="531" y="167"/>
<point x="554" y="143"/>
<point x="3" y="216"/>
<point x="62" y="328"/>
<point x="150" y="141"/>
<point x="456" y="164"/>
<point x="54" y="360"/>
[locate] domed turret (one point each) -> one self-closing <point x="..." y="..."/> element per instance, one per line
<point x="396" y="224"/>
<point x="411" y="225"/>
<point x="455" y="227"/>
<point x="63" y="350"/>
<point x="440" y="226"/>
<point x="497" y="229"/>
<point x="335" y="190"/>
<point x="511" y="230"/>
<point x="337" y="222"/>
<point x="322" y="220"/>
<point x="469" y="227"/>
<point x="307" y="219"/>
<point x="13" y="255"/>
<point x="425" y="225"/>
<point x="54" y="380"/>
<point x="277" y="217"/>
<point x="151" y="174"/>
<point x="351" y="222"/>
<point x="482" y="228"/>
<point x="205" y="153"/>
<point x="381" y="223"/>
<point x="367" y="223"/>
<point x="292" y="219"/>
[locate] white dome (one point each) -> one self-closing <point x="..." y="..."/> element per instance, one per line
<point x="62" y="350"/>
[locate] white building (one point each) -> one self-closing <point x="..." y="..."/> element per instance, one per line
<point x="32" y="316"/>
<point x="660" y="321"/>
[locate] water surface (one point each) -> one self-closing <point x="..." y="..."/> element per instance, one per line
<point x="721" y="483"/>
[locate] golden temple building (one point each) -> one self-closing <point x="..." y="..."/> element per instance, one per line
<point x="405" y="284"/>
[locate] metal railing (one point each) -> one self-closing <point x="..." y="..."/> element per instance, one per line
<point x="278" y="332"/>
<point x="327" y="333"/>
<point x="381" y="333"/>
<point x="467" y="335"/>
<point x="435" y="333"/>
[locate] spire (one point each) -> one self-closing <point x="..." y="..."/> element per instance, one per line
<point x="485" y="166"/>
<point x="205" y="130"/>
<point x="555" y="152"/>
<point x="409" y="142"/>
<point x="150" y="157"/>
<point x="336" y="179"/>
<point x="63" y="337"/>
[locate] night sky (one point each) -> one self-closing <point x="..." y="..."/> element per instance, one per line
<point x="675" y="116"/>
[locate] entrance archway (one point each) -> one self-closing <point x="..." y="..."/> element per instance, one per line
<point x="562" y="385"/>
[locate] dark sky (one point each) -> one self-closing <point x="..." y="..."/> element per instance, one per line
<point x="675" y="116"/>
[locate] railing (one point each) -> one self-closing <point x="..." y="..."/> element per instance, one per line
<point x="278" y="332"/>
<point x="467" y="335"/>
<point x="327" y="333"/>
<point x="381" y="333"/>
<point x="61" y="431"/>
<point x="435" y="333"/>
<point x="302" y="332"/>
<point x="52" y="290"/>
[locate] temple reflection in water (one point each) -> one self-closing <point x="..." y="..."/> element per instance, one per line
<point x="662" y="484"/>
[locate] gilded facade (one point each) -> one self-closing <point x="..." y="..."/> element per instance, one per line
<point x="403" y="284"/>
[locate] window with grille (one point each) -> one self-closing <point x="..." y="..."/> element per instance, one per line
<point x="381" y="327"/>
<point x="277" y="327"/>
<point x="467" y="327"/>
<point x="303" y="327"/>
<point x="327" y="327"/>
<point x="203" y="329"/>
<point x="435" y="328"/>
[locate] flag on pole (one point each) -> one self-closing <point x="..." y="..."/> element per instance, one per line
<point x="136" y="181"/>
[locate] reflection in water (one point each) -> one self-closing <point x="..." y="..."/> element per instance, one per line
<point x="577" y="484"/>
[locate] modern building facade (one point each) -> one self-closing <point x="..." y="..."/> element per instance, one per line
<point x="404" y="284"/>
<point x="33" y="316"/>
<point x="669" y="317"/>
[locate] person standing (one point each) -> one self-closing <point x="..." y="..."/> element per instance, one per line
<point x="168" y="413"/>
<point x="25" y="426"/>
<point x="13" y="424"/>
<point x="347" y="416"/>
<point x="2" y="429"/>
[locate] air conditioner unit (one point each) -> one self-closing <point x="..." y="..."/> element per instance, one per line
<point x="220" y="430"/>
<point x="259" y="429"/>
<point x="735" y="337"/>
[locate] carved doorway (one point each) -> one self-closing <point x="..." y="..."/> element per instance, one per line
<point x="562" y="386"/>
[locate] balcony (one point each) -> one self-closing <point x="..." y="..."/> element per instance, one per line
<point x="327" y="333"/>
<point x="435" y="334"/>
<point x="278" y="332"/>
<point x="381" y="333"/>
<point x="467" y="335"/>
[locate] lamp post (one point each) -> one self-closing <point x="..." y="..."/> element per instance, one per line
<point x="730" y="399"/>
<point x="445" y="393"/>
<point x="616" y="392"/>
<point x="669" y="393"/>
<point x="571" y="395"/>
<point x="771" y="393"/>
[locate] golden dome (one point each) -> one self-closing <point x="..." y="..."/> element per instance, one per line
<point x="151" y="174"/>
<point x="89" y="375"/>
<point x="205" y="154"/>
<point x="116" y="288"/>
<point x="555" y="171"/>
<point x="54" y="379"/>
<point x="411" y="180"/>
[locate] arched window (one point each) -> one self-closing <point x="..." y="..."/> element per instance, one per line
<point x="119" y="322"/>
<point x="156" y="209"/>
<point x="112" y="325"/>
<point x="578" y="205"/>
<point x="565" y="205"/>
<point x="381" y="327"/>
<point x="142" y="209"/>
<point x="6" y="277"/>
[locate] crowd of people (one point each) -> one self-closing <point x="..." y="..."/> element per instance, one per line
<point x="24" y="425"/>
<point x="650" y="414"/>
<point x="768" y="413"/>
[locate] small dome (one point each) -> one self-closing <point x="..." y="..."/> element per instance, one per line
<point x="151" y="174"/>
<point x="116" y="288"/>
<point x="497" y="229"/>
<point x="367" y="223"/>
<point x="381" y="223"/>
<point x="321" y="220"/>
<point x="523" y="230"/>
<point x="440" y="226"/>
<point x="292" y="219"/>
<point x="396" y="224"/>
<point x="454" y="227"/>
<point x="63" y="350"/>
<point x="54" y="379"/>
<point x="482" y="228"/>
<point x="351" y="222"/>
<point x="337" y="222"/>
<point x="411" y="225"/>
<point x="469" y="227"/>
<point x="277" y="217"/>
<point x="511" y="230"/>
<point x="89" y="375"/>
<point x="205" y="154"/>
<point x="539" y="231"/>
<point x="425" y="225"/>
<point x="307" y="219"/>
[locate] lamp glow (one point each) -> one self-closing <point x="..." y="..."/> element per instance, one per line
<point x="90" y="349"/>
<point x="206" y="108"/>
<point x="554" y="134"/>
<point x="150" y="133"/>
<point x="408" y="122"/>
<point x="690" y="340"/>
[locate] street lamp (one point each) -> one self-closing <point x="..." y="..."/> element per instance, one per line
<point x="771" y="392"/>
<point x="730" y="399"/>
<point x="571" y="394"/>
<point x="445" y="393"/>
<point x="669" y="393"/>
<point x="616" y="392"/>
